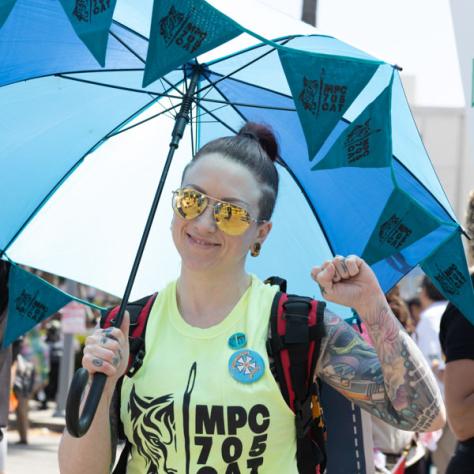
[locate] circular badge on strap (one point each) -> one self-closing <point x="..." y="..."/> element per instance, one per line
<point x="246" y="366"/>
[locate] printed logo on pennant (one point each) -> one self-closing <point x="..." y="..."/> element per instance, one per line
<point x="366" y="142"/>
<point x="181" y="30"/>
<point x="357" y="142"/>
<point x="447" y="268"/>
<point x="394" y="232"/>
<point x="85" y="10"/>
<point x="32" y="300"/>
<point x="323" y="88"/>
<point x="176" y="27"/>
<point x="28" y="305"/>
<point x="402" y="223"/>
<point x="318" y="96"/>
<point x="451" y="279"/>
<point x="91" y="20"/>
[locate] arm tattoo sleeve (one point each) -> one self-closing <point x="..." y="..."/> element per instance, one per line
<point x="391" y="381"/>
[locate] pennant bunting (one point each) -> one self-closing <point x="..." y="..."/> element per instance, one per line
<point x="367" y="141"/>
<point x="182" y="30"/>
<point x="323" y="88"/>
<point x="402" y="222"/>
<point x="30" y="301"/>
<point x="448" y="271"/>
<point x="6" y="7"/>
<point x="91" y="20"/>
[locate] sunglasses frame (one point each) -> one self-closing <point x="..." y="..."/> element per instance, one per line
<point x="216" y="203"/>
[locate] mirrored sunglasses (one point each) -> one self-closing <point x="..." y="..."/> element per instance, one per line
<point x="233" y="220"/>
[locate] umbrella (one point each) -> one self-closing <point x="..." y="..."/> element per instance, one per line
<point x="355" y="177"/>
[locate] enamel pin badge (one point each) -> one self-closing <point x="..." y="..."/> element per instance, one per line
<point x="246" y="366"/>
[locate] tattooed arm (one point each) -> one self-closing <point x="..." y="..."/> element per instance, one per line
<point x="390" y="380"/>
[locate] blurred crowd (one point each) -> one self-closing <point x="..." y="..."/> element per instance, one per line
<point x="30" y="366"/>
<point x="446" y="340"/>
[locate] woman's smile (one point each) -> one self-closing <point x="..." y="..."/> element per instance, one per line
<point x="199" y="242"/>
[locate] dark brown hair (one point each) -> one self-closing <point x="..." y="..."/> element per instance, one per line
<point x="431" y="291"/>
<point x="256" y="148"/>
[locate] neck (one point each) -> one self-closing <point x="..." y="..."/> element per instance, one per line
<point x="205" y="299"/>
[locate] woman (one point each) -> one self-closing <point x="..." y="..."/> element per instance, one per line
<point x="456" y="336"/>
<point x="223" y="211"/>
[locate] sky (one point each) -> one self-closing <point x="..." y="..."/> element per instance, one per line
<point x="415" y="34"/>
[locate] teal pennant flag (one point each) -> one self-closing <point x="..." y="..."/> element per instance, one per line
<point x="448" y="271"/>
<point x="30" y="301"/>
<point x="367" y="141"/>
<point x="323" y="88"/>
<point x="402" y="222"/>
<point x="91" y="20"/>
<point x="182" y="30"/>
<point x="5" y="9"/>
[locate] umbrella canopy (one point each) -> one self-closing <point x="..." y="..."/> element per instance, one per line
<point x="83" y="146"/>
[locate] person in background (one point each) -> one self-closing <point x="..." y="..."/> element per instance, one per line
<point x="35" y="350"/>
<point x="55" y="342"/>
<point x="457" y="342"/>
<point x="414" y="306"/>
<point x="5" y="364"/>
<point x="23" y="376"/>
<point x="433" y="305"/>
<point x="401" y="310"/>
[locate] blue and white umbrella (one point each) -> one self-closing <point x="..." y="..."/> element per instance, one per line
<point x="82" y="147"/>
<point x="89" y="105"/>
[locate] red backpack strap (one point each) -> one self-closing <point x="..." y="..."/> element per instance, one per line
<point x="297" y="326"/>
<point x="139" y="312"/>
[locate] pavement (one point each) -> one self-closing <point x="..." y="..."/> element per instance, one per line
<point x="40" y="454"/>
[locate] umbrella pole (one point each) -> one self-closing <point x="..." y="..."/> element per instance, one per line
<point x="78" y="425"/>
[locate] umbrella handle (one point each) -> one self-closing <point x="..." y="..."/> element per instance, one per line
<point x="77" y="425"/>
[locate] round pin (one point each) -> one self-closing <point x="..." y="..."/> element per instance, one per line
<point x="246" y="366"/>
<point x="237" y="340"/>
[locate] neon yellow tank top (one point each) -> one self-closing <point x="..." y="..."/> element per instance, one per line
<point x="185" y="413"/>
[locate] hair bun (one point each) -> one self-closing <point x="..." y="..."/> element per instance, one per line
<point x="264" y="135"/>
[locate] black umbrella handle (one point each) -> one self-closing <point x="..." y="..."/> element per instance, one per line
<point x="78" y="425"/>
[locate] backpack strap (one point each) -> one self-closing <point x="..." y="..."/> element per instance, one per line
<point x="296" y="330"/>
<point x="139" y="312"/>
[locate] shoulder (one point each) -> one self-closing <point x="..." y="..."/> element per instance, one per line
<point x="456" y="335"/>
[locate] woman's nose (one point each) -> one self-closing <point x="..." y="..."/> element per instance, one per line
<point x="206" y="220"/>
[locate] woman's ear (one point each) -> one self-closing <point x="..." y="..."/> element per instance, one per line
<point x="263" y="231"/>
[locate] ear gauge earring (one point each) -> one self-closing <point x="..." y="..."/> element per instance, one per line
<point x="255" y="250"/>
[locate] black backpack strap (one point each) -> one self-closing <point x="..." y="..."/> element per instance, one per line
<point x="276" y="280"/>
<point x="139" y="312"/>
<point x="296" y="330"/>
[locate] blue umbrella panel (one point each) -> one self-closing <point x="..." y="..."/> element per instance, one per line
<point x="368" y="182"/>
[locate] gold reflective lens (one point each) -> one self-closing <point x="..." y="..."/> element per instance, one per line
<point x="231" y="219"/>
<point x="189" y="203"/>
